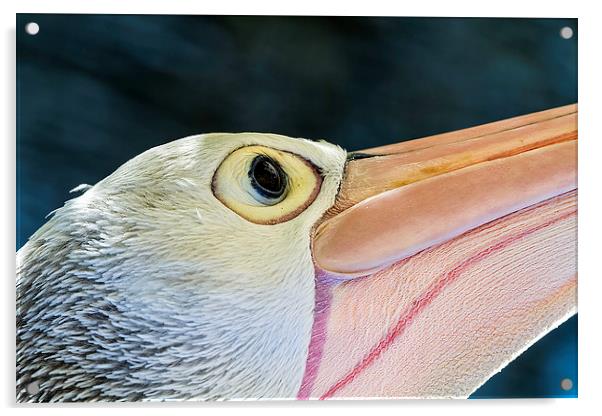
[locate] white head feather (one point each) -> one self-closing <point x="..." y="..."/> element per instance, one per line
<point x="147" y="287"/>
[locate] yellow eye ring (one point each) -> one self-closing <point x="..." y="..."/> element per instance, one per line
<point x="265" y="185"/>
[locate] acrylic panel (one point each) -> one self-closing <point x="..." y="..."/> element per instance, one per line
<point x="270" y="207"/>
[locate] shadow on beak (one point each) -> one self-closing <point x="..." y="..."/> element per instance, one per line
<point x="444" y="258"/>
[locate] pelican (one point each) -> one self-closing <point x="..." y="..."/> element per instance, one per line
<point x="258" y="266"/>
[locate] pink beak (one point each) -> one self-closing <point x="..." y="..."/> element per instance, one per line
<point x="444" y="258"/>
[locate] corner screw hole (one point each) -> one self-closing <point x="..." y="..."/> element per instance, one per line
<point x="33" y="388"/>
<point x="32" y="28"/>
<point x="566" y="384"/>
<point x="566" y="32"/>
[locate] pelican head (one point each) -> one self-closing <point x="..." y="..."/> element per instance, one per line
<point x="238" y="266"/>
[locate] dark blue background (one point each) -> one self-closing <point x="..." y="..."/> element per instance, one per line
<point x="95" y="90"/>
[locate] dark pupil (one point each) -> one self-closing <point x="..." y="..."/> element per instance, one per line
<point x="267" y="177"/>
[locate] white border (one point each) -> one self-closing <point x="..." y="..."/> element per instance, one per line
<point x="463" y="8"/>
<point x="590" y="211"/>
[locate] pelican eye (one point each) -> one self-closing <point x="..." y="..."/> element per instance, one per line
<point x="266" y="185"/>
<point x="267" y="177"/>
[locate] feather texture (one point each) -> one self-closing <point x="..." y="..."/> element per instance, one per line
<point x="146" y="287"/>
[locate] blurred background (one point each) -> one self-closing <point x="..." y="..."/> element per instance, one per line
<point x="95" y="90"/>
